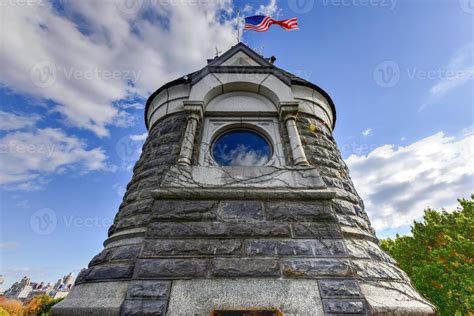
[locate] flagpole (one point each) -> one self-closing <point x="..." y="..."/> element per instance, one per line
<point x="238" y="26"/>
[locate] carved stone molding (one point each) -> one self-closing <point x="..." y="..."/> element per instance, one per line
<point x="288" y="112"/>
<point x="194" y="113"/>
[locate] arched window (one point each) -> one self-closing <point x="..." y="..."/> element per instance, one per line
<point x="241" y="147"/>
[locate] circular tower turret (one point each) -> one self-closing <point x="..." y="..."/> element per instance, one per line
<point x="241" y="201"/>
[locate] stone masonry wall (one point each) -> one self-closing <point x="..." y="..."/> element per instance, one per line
<point x="372" y="267"/>
<point x="160" y="150"/>
<point x="156" y="241"/>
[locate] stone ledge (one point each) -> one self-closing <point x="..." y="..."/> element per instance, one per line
<point x="121" y="234"/>
<point x="394" y="298"/>
<point x="217" y="229"/>
<point x="183" y="193"/>
<point x="94" y="299"/>
<point x="238" y="177"/>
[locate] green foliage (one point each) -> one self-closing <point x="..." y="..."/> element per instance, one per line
<point x="439" y="258"/>
<point x="41" y="305"/>
<point x="3" y="312"/>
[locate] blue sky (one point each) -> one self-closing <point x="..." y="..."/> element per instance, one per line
<point x="75" y="76"/>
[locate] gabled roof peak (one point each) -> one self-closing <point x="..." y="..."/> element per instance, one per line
<point x="241" y="59"/>
<point x="240" y="47"/>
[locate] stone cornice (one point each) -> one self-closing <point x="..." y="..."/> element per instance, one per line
<point x="193" y="109"/>
<point x="181" y="193"/>
<point x="288" y="110"/>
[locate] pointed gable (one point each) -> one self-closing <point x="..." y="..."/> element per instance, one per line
<point x="240" y="55"/>
<point x="240" y="59"/>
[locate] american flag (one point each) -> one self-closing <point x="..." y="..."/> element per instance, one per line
<point x="262" y="23"/>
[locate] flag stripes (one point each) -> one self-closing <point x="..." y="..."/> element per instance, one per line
<point x="261" y="23"/>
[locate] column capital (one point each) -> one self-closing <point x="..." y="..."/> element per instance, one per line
<point x="288" y="110"/>
<point x="193" y="109"/>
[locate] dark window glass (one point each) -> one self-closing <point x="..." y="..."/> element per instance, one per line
<point x="241" y="148"/>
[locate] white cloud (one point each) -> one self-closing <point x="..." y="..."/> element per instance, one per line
<point x="27" y="158"/>
<point x="11" y="121"/>
<point x="244" y="156"/>
<point x="247" y="9"/>
<point x="124" y="119"/>
<point x="139" y="138"/>
<point x="397" y="184"/>
<point x="119" y="189"/>
<point x="135" y="106"/>
<point x="271" y="9"/>
<point x="367" y="132"/>
<point x="95" y="53"/>
<point x="458" y="72"/>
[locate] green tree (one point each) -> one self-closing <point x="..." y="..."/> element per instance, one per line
<point x="3" y="312"/>
<point x="40" y="305"/>
<point x="439" y="258"/>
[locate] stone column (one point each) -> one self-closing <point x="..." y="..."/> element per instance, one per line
<point x="194" y="112"/>
<point x="288" y="111"/>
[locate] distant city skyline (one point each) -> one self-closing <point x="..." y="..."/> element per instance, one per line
<point x="26" y="289"/>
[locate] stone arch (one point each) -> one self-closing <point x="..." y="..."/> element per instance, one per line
<point x="240" y="101"/>
<point x="215" y="84"/>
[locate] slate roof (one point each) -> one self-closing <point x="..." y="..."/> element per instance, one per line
<point x="266" y="66"/>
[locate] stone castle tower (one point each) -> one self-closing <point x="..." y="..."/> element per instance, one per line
<point x="241" y="205"/>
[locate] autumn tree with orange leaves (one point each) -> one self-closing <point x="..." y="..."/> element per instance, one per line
<point x="439" y="258"/>
<point x="10" y="307"/>
<point x="40" y="305"/>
